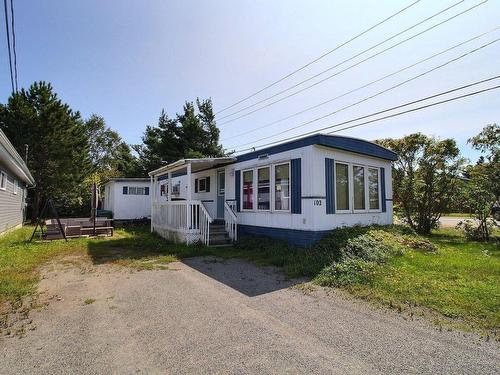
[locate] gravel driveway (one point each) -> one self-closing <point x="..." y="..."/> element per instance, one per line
<point x="209" y="316"/>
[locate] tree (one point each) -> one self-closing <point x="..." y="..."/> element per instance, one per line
<point x="58" y="147"/>
<point x="424" y="178"/>
<point x="192" y="134"/>
<point x="109" y="155"/>
<point x="482" y="191"/>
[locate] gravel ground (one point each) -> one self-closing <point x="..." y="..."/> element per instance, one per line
<point x="210" y="316"/>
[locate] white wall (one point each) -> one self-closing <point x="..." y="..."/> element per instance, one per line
<point x="127" y="206"/>
<point x="313" y="216"/>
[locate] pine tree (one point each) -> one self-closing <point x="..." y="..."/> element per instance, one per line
<point x="58" y="148"/>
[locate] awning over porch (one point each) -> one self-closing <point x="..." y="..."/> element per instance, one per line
<point x="193" y="165"/>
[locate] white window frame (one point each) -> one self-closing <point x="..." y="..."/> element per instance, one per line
<point x="349" y="186"/>
<point x="289" y="187"/>
<point x="15" y="187"/>
<point x="272" y="181"/>
<point x="359" y="210"/>
<point x="350" y="168"/>
<point x="3" y="181"/>
<point x="199" y="185"/>
<point x="254" y="193"/>
<point x="379" y="190"/>
<point x="256" y="187"/>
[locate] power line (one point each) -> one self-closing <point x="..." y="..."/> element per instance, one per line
<point x="320" y="57"/>
<point x="363" y="86"/>
<point x="376" y="94"/>
<point x="418" y="108"/>
<point x="13" y="41"/>
<point x="8" y="43"/>
<point x="378" y="113"/>
<point x="339" y="72"/>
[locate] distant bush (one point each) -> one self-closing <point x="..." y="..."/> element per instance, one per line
<point x="474" y="231"/>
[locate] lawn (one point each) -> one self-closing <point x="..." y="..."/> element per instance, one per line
<point x="461" y="282"/>
<point x="456" y="283"/>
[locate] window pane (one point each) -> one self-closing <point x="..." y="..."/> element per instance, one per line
<point x="202" y="184"/>
<point x="222" y="183"/>
<point x="282" y="187"/>
<point x="359" y="187"/>
<point x="264" y="189"/>
<point x="342" y="186"/>
<point x="132" y="190"/>
<point x="140" y="191"/>
<point x="248" y="190"/>
<point x="373" y="188"/>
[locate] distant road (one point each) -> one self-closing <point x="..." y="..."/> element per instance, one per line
<point x="451" y="222"/>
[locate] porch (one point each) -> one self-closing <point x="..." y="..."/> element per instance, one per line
<point x="188" y="202"/>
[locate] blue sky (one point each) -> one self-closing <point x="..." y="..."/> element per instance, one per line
<point x="126" y="60"/>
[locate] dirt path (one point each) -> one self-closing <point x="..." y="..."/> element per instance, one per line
<point x="207" y="316"/>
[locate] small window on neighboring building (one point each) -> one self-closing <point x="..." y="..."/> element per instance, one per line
<point x="15" y="187"/>
<point x="3" y="181"/>
<point x="248" y="190"/>
<point x="263" y="188"/>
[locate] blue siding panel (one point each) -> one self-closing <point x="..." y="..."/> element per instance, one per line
<point x="382" y="184"/>
<point x="237" y="182"/>
<point x="296" y="188"/>
<point x="295" y="237"/>
<point x="329" y="186"/>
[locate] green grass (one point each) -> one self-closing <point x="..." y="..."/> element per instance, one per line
<point x="89" y="301"/>
<point x="459" y="282"/>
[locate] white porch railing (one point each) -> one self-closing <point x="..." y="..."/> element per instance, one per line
<point x="189" y="218"/>
<point x="231" y="220"/>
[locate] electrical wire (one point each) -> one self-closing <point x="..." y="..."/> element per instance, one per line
<point x="379" y="112"/>
<point x="8" y="43"/>
<point x="13" y="30"/>
<point x="376" y="94"/>
<point x="319" y="58"/>
<point x="339" y="72"/>
<point x="363" y="86"/>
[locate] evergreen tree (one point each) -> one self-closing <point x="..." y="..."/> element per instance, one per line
<point x="191" y="134"/>
<point x="58" y="148"/>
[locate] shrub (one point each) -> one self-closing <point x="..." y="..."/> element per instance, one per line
<point x="366" y="247"/>
<point x="348" y="271"/>
<point x="475" y="231"/>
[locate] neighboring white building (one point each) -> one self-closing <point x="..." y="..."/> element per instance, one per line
<point x="128" y="198"/>
<point x="296" y="191"/>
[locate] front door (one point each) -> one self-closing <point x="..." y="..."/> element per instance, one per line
<point x="221" y="183"/>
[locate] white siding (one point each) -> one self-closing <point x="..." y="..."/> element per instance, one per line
<point x="127" y="206"/>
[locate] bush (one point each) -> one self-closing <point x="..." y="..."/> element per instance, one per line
<point x="366" y="247"/>
<point x="348" y="271"/>
<point x="475" y="231"/>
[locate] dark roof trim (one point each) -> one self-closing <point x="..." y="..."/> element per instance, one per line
<point x="355" y="145"/>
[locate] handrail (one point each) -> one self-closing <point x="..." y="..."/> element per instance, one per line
<point x="205" y="221"/>
<point x="231" y="222"/>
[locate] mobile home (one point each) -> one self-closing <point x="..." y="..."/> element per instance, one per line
<point x="296" y="191"/>
<point x="128" y="198"/>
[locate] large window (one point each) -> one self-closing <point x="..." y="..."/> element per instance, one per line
<point x="373" y="189"/>
<point x="263" y="188"/>
<point x="359" y="187"/>
<point x="248" y="190"/>
<point x="342" y="186"/>
<point x="271" y="184"/>
<point x="282" y="187"/>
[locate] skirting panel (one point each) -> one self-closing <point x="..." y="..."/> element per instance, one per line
<point x="295" y="237"/>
